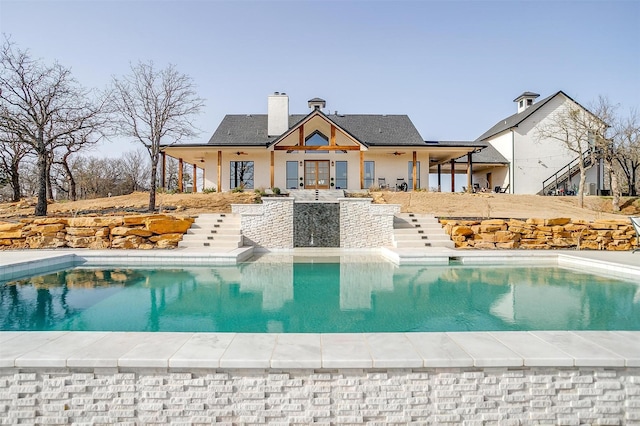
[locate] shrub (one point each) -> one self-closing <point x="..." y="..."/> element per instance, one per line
<point x="276" y="190"/>
<point x="209" y="190"/>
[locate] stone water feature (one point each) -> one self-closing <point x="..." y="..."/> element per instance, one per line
<point x="285" y="223"/>
<point x="316" y="224"/>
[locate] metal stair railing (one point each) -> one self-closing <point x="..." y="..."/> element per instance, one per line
<point x="560" y="178"/>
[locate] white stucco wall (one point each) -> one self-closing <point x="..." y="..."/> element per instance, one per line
<point x="533" y="160"/>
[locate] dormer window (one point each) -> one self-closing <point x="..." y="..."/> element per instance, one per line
<point x="529" y="102"/>
<point x="521" y="103"/>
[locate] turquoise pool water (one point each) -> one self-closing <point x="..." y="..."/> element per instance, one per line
<point x="317" y="297"/>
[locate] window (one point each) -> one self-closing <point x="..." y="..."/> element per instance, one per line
<point x="411" y="174"/>
<point x="241" y="174"/>
<point x="341" y="174"/>
<point x="521" y="103"/>
<point x="369" y="173"/>
<point x="292" y="175"/>
<point x="316" y="139"/>
<point x="529" y="102"/>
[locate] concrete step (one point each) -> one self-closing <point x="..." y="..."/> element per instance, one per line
<point x="414" y="230"/>
<point x="200" y="244"/>
<point x="222" y="230"/>
<point x="419" y="244"/>
<point x="421" y="237"/>
<point x="215" y="230"/>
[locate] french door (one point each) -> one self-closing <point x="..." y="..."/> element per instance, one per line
<point x="316" y="174"/>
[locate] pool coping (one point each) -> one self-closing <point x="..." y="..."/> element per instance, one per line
<point x="122" y="350"/>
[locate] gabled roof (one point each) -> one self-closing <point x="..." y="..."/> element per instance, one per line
<point x="488" y="155"/>
<point x="371" y="130"/>
<point x="515" y="119"/>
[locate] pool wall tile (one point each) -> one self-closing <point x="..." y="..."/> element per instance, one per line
<point x="486" y="351"/>
<point x="534" y="351"/>
<point x="392" y="350"/>
<point x="107" y="351"/>
<point x="24" y="343"/>
<point x="345" y="351"/>
<point x="297" y="351"/>
<point x="249" y="350"/>
<point x="154" y="352"/>
<point x="584" y="352"/>
<point x="55" y="352"/>
<point x="439" y="350"/>
<point x="202" y="350"/>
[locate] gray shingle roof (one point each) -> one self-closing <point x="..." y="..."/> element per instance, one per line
<point x="488" y="155"/>
<point x="515" y="119"/>
<point x="372" y="130"/>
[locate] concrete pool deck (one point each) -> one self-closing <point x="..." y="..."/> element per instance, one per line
<point x="373" y="350"/>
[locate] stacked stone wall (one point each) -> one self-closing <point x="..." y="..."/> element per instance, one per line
<point x="365" y="225"/>
<point x="569" y="396"/>
<point x="557" y="233"/>
<point x="267" y="225"/>
<point x="118" y="232"/>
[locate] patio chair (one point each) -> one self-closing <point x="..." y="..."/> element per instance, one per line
<point x="635" y="221"/>
<point x="382" y="183"/>
<point x="401" y="185"/>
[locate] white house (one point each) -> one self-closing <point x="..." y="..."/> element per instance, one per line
<point x="317" y="150"/>
<point x="535" y="166"/>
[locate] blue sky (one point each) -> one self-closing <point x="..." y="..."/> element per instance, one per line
<point x="454" y="67"/>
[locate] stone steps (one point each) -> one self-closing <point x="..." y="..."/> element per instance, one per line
<point x="414" y="230"/>
<point x="214" y="230"/>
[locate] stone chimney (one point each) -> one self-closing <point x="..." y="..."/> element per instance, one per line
<point x="525" y="100"/>
<point x="277" y="114"/>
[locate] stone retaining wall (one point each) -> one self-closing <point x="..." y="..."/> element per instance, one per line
<point x="562" y="396"/>
<point x="558" y="233"/>
<point x="121" y="232"/>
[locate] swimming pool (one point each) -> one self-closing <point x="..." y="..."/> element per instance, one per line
<point x="311" y="296"/>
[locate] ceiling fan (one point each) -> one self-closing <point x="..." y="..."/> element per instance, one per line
<point x="241" y="153"/>
<point x="397" y="153"/>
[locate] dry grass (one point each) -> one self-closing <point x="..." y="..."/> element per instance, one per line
<point x="439" y="204"/>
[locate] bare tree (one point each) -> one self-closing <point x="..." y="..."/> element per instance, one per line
<point x="628" y="132"/>
<point x="155" y="105"/>
<point x="576" y="128"/>
<point x="135" y="169"/>
<point x="606" y="143"/>
<point x="41" y="105"/>
<point x="12" y="152"/>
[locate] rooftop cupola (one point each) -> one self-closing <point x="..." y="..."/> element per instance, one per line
<point x="317" y="103"/>
<point x="525" y="100"/>
<point x="277" y="114"/>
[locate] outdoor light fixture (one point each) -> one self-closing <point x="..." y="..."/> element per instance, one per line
<point x="332" y="164"/>
<point x="301" y="164"/>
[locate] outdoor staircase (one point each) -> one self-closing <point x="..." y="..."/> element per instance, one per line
<point x="413" y="230"/>
<point x="215" y="230"/>
<point x="561" y="180"/>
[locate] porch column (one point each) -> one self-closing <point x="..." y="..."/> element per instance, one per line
<point x="164" y="171"/>
<point x="439" y="177"/>
<point x="361" y="170"/>
<point x="469" y="173"/>
<point x="301" y="135"/>
<point x="332" y="140"/>
<point x="415" y="170"/>
<point x="219" y="171"/>
<point x="195" y="178"/>
<point x="180" y="166"/>
<point x="272" y="167"/>
<point x="453" y="175"/>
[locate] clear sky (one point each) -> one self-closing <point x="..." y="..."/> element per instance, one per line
<point x="454" y="67"/>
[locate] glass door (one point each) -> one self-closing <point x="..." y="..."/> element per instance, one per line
<point x="316" y="174"/>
